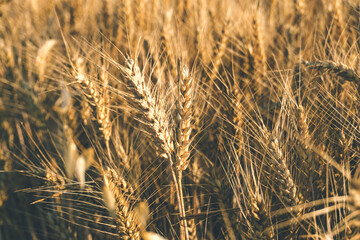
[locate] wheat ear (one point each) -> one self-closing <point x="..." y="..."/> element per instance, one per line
<point x="219" y="51"/>
<point x="128" y="228"/>
<point x="103" y="110"/>
<point x="338" y="15"/>
<point x="165" y="43"/>
<point x="184" y="131"/>
<point x="42" y="57"/>
<point x="125" y="28"/>
<point x="300" y="7"/>
<point x="184" y="120"/>
<point x="303" y="125"/>
<point x="99" y="97"/>
<point x="141" y="14"/>
<point x="238" y="121"/>
<point x="218" y="188"/>
<point x="146" y="104"/>
<point x="156" y="127"/>
<point x="341" y="70"/>
<point x="258" y="52"/>
<point x="260" y="218"/>
<point x="287" y="186"/>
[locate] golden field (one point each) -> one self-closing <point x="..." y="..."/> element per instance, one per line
<point x="179" y="119"/>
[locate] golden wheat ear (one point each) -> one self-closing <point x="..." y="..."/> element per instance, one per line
<point x="115" y="192"/>
<point x="152" y="117"/>
<point x="184" y="119"/>
<point x="345" y="73"/>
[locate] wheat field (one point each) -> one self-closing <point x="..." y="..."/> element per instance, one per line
<point x="179" y="119"/>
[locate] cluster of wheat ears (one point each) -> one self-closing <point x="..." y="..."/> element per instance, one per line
<point x="179" y="119"/>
